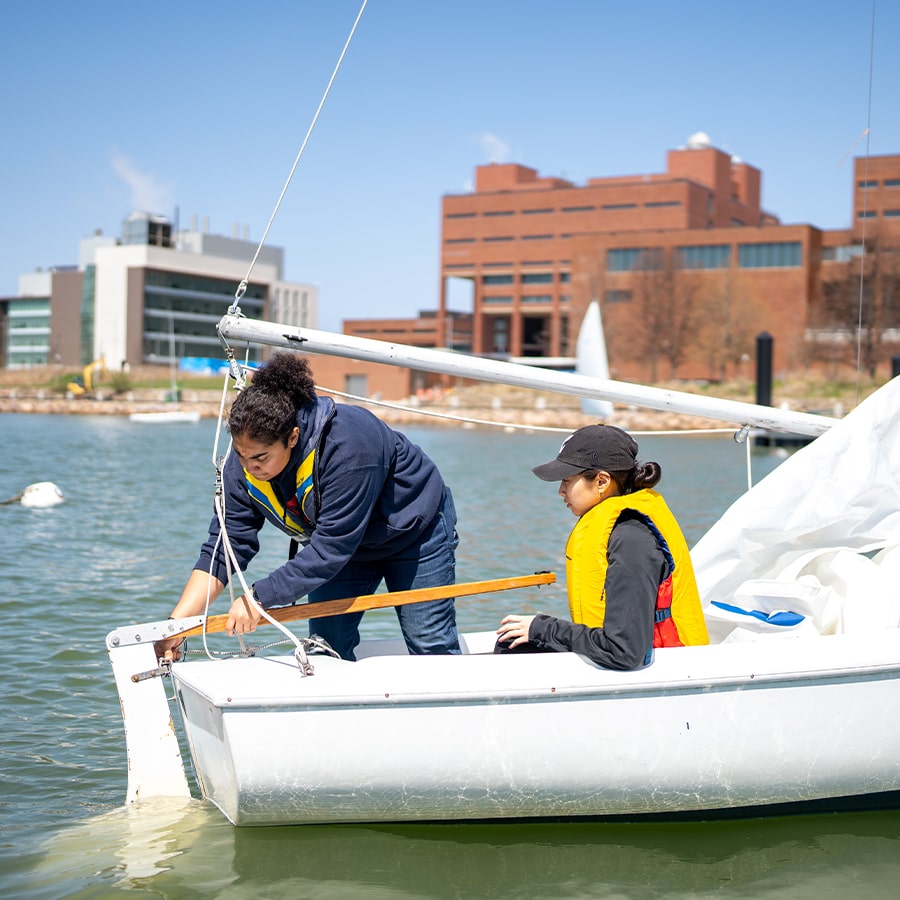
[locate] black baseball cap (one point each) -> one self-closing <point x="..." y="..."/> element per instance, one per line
<point x="592" y="447"/>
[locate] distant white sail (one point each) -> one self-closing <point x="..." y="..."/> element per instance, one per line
<point x="590" y="359"/>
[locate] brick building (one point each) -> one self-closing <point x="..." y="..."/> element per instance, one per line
<point x="686" y="265"/>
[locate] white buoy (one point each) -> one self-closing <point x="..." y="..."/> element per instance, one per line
<point x="40" y="494"/>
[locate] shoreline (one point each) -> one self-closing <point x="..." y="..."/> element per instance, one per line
<point x="467" y="408"/>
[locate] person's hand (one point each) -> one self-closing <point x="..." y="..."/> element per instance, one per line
<point x="168" y="650"/>
<point x="514" y="630"/>
<point x="242" y="617"/>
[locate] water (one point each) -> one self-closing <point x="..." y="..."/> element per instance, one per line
<point x="118" y="551"/>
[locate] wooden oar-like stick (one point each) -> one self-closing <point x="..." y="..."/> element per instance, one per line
<point x="381" y="601"/>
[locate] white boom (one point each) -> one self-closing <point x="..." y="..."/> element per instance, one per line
<point x="447" y="362"/>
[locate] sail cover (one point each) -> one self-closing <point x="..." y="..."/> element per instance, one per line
<point x="841" y="492"/>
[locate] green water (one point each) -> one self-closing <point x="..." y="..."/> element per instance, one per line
<point x="138" y="500"/>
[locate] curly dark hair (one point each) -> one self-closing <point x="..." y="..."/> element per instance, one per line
<point x="266" y="410"/>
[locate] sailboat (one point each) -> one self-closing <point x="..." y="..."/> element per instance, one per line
<point x="173" y="415"/>
<point x="794" y="705"/>
<point x="769" y="717"/>
<point x="591" y="359"/>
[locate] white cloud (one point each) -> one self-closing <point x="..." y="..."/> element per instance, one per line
<point x="148" y="193"/>
<point x="496" y="149"/>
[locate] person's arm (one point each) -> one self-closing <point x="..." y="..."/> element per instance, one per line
<point x="351" y="478"/>
<point x="201" y="589"/>
<point x="636" y="567"/>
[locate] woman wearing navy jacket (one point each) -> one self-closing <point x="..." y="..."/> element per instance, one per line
<point x="363" y="502"/>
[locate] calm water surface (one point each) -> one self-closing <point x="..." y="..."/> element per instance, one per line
<point x="138" y="500"/>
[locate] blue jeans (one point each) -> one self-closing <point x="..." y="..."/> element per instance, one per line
<point x="429" y="561"/>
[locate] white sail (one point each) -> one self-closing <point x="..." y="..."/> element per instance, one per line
<point x="840" y="493"/>
<point x="591" y="360"/>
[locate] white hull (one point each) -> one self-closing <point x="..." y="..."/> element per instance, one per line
<point x="399" y="738"/>
<point x="186" y="417"/>
<point x="768" y="714"/>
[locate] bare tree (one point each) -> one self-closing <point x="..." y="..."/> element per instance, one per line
<point x="857" y="316"/>
<point x="666" y="313"/>
<point x="730" y="322"/>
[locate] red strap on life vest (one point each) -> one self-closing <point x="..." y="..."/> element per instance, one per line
<point x="665" y="634"/>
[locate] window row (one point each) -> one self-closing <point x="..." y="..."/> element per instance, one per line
<point x="502" y="299"/>
<point x="612" y="207"/>
<point x="526" y="278"/>
<point x="785" y="254"/>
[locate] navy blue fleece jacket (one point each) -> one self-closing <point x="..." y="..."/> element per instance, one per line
<point x="377" y="493"/>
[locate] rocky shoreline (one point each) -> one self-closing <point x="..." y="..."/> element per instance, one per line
<point x="470" y="407"/>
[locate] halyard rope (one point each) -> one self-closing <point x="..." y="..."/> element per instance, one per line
<point x="234" y="309"/>
<point x="235" y="372"/>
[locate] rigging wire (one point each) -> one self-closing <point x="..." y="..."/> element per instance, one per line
<point x="234" y="309"/>
<point x="862" y="255"/>
<point x="507" y="426"/>
<point x="236" y="372"/>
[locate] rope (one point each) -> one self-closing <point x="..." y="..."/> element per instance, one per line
<point x="507" y="426"/>
<point x="862" y="255"/>
<point x="313" y="644"/>
<point x="234" y="309"/>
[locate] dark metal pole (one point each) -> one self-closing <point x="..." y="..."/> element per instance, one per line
<point x="764" y="343"/>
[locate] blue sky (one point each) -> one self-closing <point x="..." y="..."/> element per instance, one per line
<point x="110" y="107"/>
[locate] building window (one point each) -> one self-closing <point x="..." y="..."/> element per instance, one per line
<point x="460" y="241"/>
<point x="892" y="182"/>
<point x="497" y="240"/>
<point x="891" y="213"/>
<point x="618" y="296"/>
<point x="769" y="256"/>
<point x="632" y="259"/>
<point x="465" y="215"/>
<point x="576" y="209"/>
<point x="499" y="212"/>
<point x="658" y="203"/>
<point x="496" y="279"/>
<point x="538" y="298"/>
<point x="565" y="298"/>
<point x="535" y="212"/>
<point x="868" y="214"/>
<point x="620" y="205"/>
<point x="537" y="237"/>
<point x="871" y="183"/>
<point x="501" y="334"/>
<point x="565" y="277"/>
<point x="711" y="256"/>
<point x="496" y="300"/>
<point x="537" y="278"/>
<point x="841" y="254"/>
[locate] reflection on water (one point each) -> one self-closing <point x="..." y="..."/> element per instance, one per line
<point x="174" y="849"/>
<point x="138" y="502"/>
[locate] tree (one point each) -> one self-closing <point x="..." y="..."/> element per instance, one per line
<point x="665" y="317"/>
<point x="730" y="322"/>
<point x="856" y="319"/>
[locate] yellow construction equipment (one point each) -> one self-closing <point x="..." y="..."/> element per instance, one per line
<point x="83" y="387"/>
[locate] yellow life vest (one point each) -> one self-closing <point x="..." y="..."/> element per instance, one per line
<point x="298" y="526"/>
<point x="586" y="563"/>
